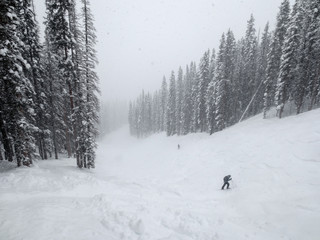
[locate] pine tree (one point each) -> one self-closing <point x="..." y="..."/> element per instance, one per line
<point x="229" y="75"/>
<point x="62" y="43"/>
<point x="221" y="85"/>
<point x="32" y="53"/>
<point x="264" y="49"/>
<point x="194" y="126"/>
<point x="187" y="103"/>
<point x="156" y="112"/>
<point x="179" y="102"/>
<point x="221" y="104"/>
<point x="53" y="88"/>
<point x="249" y="84"/>
<point x="211" y="95"/>
<point x="171" y="110"/>
<point x="212" y="66"/>
<point x="16" y="113"/>
<point x="275" y="55"/>
<point x="288" y="64"/>
<point x="238" y="80"/>
<point x="91" y="87"/>
<point x="79" y="79"/>
<point x="313" y="52"/>
<point x="203" y="83"/>
<point x="163" y="107"/>
<point x="142" y="113"/>
<point x="148" y="115"/>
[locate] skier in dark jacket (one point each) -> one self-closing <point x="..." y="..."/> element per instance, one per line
<point x="226" y="180"/>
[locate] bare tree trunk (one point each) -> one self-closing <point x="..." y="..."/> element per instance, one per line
<point x="68" y="143"/>
<point x="5" y="140"/>
<point x="85" y="162"/>
<point x="1" y="158"/>
<point x="45" y="155"/>
<point x="40" y="148"/>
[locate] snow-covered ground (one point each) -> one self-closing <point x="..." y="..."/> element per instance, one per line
<point x="147" y="189"/>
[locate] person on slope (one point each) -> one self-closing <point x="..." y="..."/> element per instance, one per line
<point x="226" y="180"/>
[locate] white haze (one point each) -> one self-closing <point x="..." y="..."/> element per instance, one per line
<point x="140" y="41"/>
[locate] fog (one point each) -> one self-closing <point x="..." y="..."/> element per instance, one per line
<point x="140" y="41"/>
<point x="113" y="115"/>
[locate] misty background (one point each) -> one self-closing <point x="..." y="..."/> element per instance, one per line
<point x="141" y="41"/>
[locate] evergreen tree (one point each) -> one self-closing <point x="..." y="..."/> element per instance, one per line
<point x="249" y="83"/>
<point x="79" y="78"/>
<point x="54" y="107"/>
<point x="264" y="49"/>
<point x="91" y="88"/>
<point x="163" y="107"/>
<point x="16" y="99"/>
<point x="61" y="41"/>
<point x="229" y="75"/>
<point x="239" y="80"/>
<point x="32" y="53"/>
<point x="211" y="95"/>
<point x="148" y="115"/>
<point x="171" y="110"/>
<point x="187" y="103"/>
<point x="289" y="59"/>
<point x="194" y="126"/>
<point x="221" y="85"/>
<point x="142" y="114"/>
<point x="212" y="67"/>
<point x="203" y="83"/>
<point x="179" y="102"/>
<point x="313" y="51"/>
<point x="274" y="55"/>
<point x="156" y="112"/>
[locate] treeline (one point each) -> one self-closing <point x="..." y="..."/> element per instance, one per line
<point x="245" y="77"/>
<point x="48" y="91"/>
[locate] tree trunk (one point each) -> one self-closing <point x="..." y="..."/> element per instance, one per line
<point x="5" y="140"/>
<point x="281" y="111"/>
<point x="45" y="155"/>
<point x="68" y="139"/>
<point x="85" y="162"/>
<point x="40" y="148"/>
<point x="1" y="158"/>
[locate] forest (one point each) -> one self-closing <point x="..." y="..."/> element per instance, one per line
<point x="256" y="73"/>
<point x="48" y="90"/>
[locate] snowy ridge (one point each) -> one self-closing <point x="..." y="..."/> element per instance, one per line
<point x="148" y="189"/>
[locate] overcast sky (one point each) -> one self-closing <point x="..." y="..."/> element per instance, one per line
<point x="140" y="41"/>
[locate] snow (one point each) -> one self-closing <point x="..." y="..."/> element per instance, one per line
<point x="10" y="15"/>
<point x="3" y="51"/>
<point x="148" y="189"/>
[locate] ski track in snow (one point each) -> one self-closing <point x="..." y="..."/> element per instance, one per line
<point x="147" y="189"/>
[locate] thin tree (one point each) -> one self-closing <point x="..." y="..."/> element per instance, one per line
<point x="91" y="86"/>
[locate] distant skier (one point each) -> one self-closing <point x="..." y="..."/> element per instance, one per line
<point x="178" y="146"/>
<point x="226" y="180"/>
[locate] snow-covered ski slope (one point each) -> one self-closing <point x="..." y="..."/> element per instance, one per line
<point x="147" y="189"/>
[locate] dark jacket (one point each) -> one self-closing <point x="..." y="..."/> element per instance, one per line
<point x="227" y="178"/>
